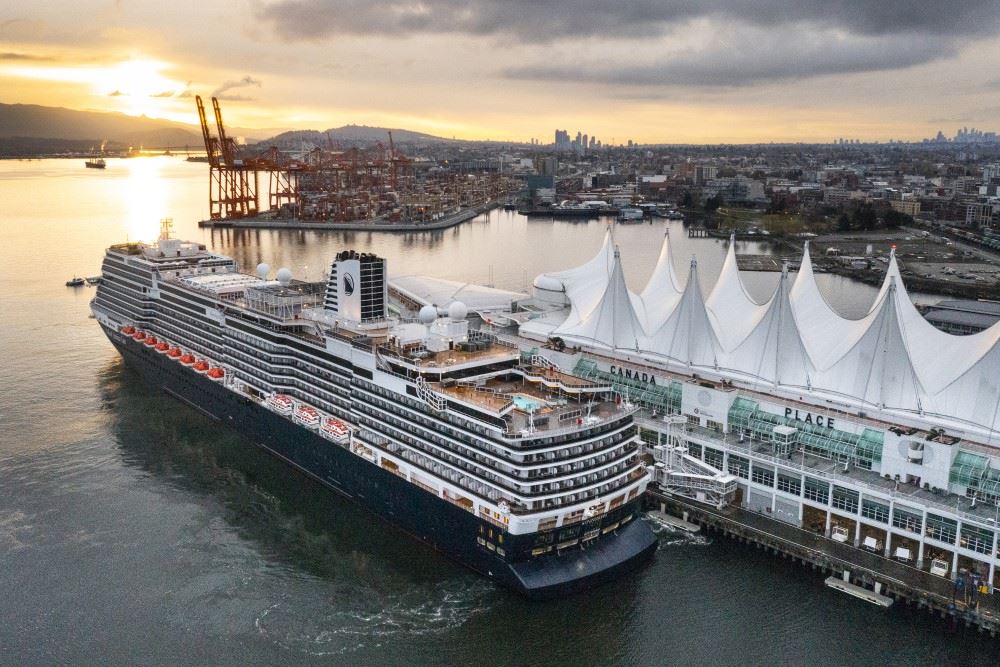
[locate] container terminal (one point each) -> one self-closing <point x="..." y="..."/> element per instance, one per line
<point x="329" y="188"/>
<point x="869" y="448"/>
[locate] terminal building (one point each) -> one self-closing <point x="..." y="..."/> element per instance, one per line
<point x="881" y="432"/>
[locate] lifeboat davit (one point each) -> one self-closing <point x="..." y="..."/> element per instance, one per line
<point x="174" y="352"/>
<point x="216" y="373"/>
<point x="162" y="346"/>
<point x="129" y="330"/>
<point x="201" y="366"/>
<point x="138" y="335"/>
<point x="187" y="359"/>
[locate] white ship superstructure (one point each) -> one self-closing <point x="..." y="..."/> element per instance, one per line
<point x="542" y="462"/>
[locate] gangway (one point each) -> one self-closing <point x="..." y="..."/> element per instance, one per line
<point x="677" y="472"/>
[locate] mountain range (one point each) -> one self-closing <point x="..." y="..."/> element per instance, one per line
<point x="23" y="126"/>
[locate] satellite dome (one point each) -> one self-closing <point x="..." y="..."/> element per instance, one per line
<point x="427" y="314"/>
<point x="457" y="311"/>
<point x="263" y="269"/>
<point x="284" y="276"/>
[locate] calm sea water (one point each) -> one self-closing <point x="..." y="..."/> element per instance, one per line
<point x="134" y="531"/>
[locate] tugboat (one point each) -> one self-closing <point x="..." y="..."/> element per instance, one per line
<point x="75" y="282"/>
<point x="96" y="163"/>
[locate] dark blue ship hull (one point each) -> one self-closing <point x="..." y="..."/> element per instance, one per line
<point x="447" y="527"/>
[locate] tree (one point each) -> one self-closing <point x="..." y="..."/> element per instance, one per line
<point x="865" y="217"/>
<point x="844" y="223"/>
<point x="686" y="200"/>
<point x="711" y="204"/>
<point x="894" y="219"/>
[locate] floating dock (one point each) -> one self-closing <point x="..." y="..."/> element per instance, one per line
<point x="873" y="597"/>
<point x="673" y="522"/>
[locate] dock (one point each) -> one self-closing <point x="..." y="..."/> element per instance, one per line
<point x="868" y="574"/>
<point x="673" y="522"/>
<point x="873" y="597"/>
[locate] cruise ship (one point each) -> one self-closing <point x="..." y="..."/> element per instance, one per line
<point x="881" y="432"/>
<point x="487" y="452"/>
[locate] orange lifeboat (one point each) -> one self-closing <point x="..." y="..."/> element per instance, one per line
<point x="174" y="352"/>
<point x="162" y="346"/>
<point x="151" y="341"/>
<point x="129" y="330"/>
<point x="138" y="335"/>
<point x="201" y="366"/>
<point x="187" y="359"/>
<point x="216" y="373"/>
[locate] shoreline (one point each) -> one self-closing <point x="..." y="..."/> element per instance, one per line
<point x="357" y="226"/>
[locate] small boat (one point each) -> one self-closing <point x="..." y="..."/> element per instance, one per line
<point x="280" y="403"/>
<point x="307" y="416"/>
<point x="201" y="366"/>
<point x="96" y="163"/>
<point x="95" y="280"/>
<point x="139" y="335"/>
<point x="216" y="373"/>
<point x="187" y="359"/>
<point x="162" y="346"/>
<point x="174" y="352"/>
<point x="128" y="330"/>
<point x="151" y="341"/>
<point x="75" y="282"/>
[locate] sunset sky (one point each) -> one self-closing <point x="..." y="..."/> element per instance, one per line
<point x="651" y="70"/>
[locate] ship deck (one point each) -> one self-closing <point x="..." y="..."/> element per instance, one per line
<point x="533" y="405"/>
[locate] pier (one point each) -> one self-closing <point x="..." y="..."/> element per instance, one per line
<point x="867" y="574"/>
<point x="373" y="225"/>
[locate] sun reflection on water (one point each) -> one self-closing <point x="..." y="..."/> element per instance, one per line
<point x="146" y="194"/>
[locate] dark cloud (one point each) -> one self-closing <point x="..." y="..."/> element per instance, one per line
<point x="25" y="57"/>
<point x="759" y="57"/>
<point x="116" y="93"/>
<point x="235" y="98"/>
<point x="546" y="20"/>
<point x="245" y="82"/>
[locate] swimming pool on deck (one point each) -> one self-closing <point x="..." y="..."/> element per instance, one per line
<point x="527" y="403"/>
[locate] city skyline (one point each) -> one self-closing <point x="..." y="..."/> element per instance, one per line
<point x="669" y="73"/>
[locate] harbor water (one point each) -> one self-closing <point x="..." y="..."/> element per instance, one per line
<point x="134" y="530"/>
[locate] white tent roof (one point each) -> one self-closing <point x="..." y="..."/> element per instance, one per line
<point x="686" y="336"/>
<point x="773" y="351"/>
<point x="891" y="358"/>
<point x="583" y="285"/>
<point x="663" y="291"/>
<point x="613" y="322"/>
<point x="733" y="313"/>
